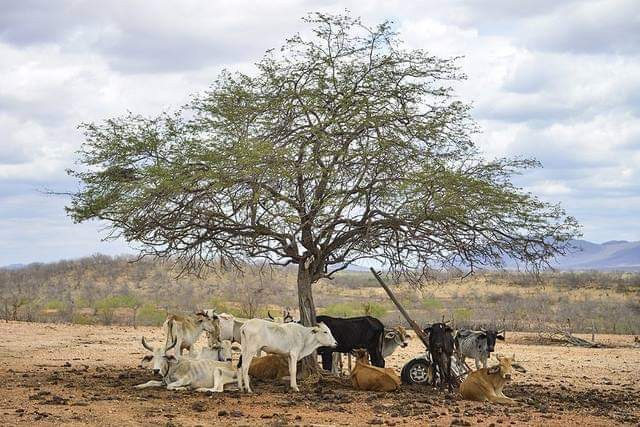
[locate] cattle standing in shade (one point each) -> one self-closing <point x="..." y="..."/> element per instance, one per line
<point x="185" y="330"/>
<point x="486" y="384"/>
<point x="290" y="339"/>
<point x="441" y="350"/>
<point x="477" y="345"/>
<point x="357" y="332"/>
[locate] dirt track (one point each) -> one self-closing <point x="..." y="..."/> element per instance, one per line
<point x="73" y="375"/>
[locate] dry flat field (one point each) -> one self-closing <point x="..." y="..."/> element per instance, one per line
<point x="53" y="374"/>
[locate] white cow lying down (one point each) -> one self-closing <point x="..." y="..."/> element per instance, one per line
<point x="290" y="339"/>
<point x="181" y="373"/>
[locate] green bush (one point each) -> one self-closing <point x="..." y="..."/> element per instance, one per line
<point x="54" y="305"/>
<point x="150" y="315"/>
<point x="351" y="309"/>
<point x="431" y="304"/>
<point x="82" y="319"/>
<point x="462" y="315"/>
<point x="373" y="309"/>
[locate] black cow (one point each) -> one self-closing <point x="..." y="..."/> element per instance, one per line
<point x="441" y="350"/>
<point x="356" y="332"/>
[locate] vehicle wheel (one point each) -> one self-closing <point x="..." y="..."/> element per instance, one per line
<point x="417" y="371"/>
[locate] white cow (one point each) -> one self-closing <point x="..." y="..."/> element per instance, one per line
<point x="185" y="330"/>
<point x="290" y="339"/>
<point x="182" y="373"/>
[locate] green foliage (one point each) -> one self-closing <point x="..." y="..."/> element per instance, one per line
<point x="373" y="309"/>
<point x="149" y="314"/>
<point x="462" y="315"/>
<point x="352" y="308"/>
<point x="54" y="305"/>
<point x="82" y="319"/>
<point x="431" y="304"/>
<point x="341" y="145"/>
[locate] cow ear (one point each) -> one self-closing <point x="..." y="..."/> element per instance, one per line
<point x="170" y="357"/>
<point x="314" y="330"/>
<point x="147" y="358"/>
<point x="493" y="369"/>
<point x="408" y="335"/>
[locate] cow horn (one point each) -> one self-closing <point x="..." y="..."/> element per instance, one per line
<point x="175" y="341"/>
<point x="269" y="314"/>
<point x="501" y="331"/>
<point x="145" y="345"/>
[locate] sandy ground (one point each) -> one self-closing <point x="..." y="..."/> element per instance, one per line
<point x="55" y="374"/>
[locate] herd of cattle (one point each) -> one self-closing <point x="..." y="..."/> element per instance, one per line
<point x="286" y="342"/>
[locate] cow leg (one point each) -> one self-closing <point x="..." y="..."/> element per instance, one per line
<point x="247" y="357"/>
<point x="326" y="359"/>
<point x="336" y="363"/>
<point x="376" y="357"/>
<point x="152" y="383"/>
<point x="293" y="367"/>
<point x="180" y="384"/>
<point x="349" y="362"/>
<point x="478" y="363"/>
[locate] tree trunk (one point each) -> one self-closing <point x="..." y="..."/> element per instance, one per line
<point x="309" y="364"/>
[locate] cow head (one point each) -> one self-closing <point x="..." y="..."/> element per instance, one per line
<point x="158" y="359"/>
<point x="491" y="336"/>
<point x="398" y="335"/>
<point x="287" y="317"/>
<point x="223" y="348"/>
<point x="361" y="355"/>
<point x="440" y="338"/>
<point x="505" y="367"/>
<point x="208" y="321"/>
<point x="323" y="335"/>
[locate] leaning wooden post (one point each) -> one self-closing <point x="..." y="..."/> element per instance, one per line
<point x="419" y="332"/>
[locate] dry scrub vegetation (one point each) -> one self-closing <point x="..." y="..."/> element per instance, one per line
<point x="114" y="290"/>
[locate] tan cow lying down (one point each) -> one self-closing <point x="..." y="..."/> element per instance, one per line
<point x="486" y="384"/>
<point x="367" y="377"/>
<point x="269" y="367"/>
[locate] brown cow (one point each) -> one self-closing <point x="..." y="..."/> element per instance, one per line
<point x="269" y="367"/>
<point x="367" y="377"/>
<point x="486" y="384"/>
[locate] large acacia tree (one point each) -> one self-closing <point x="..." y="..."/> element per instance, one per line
<point x="341" y="146"/>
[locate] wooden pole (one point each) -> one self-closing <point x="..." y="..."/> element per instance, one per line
<point x="419" y="332"/>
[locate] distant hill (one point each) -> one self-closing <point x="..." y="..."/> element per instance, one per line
<point x="612" y="255"/>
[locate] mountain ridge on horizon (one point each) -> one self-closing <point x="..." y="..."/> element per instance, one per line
<point x="620" y="255"/>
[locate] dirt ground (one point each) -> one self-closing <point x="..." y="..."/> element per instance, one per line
<point x="56" y="374"/>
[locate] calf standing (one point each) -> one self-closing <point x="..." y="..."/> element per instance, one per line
<point x="441" y="350"/>
<point x="477" y="345"/>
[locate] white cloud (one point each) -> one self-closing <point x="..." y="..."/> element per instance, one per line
<point x="559" y="81"/>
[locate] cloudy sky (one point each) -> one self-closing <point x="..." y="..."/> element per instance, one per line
<point x="556" y="80"/>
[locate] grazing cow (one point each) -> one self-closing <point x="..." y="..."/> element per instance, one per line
<point x="269" y="367"/>
<point x="441" y="350"/>
<point x="393" y="338"/>
<point x="186" y="330"/>
<point x="181" y="373"/>
<point x="477" y="345"/>
<point x="486" y="384"/>
<point x="290" y="339"/>
<point x="367" y="377"/>
<point x="357" y="332"/>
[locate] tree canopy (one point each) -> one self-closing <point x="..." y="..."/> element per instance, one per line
<point x="342" y="145"/>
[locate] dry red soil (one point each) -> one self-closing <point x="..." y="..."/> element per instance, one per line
<point x="54" y="374"/>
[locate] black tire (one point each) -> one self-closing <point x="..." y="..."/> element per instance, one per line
<point x="416" y="371"/>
